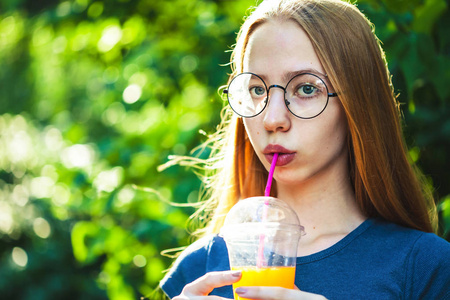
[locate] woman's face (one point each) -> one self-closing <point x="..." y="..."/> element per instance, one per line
<point x="308" y="149"/>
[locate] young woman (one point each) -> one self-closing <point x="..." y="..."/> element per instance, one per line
<point x="310" y="82"/>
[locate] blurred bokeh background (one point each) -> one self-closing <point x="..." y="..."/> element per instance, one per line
<point x="95" y="94"/>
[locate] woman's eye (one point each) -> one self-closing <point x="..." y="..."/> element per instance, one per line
<point x="257" y="91"/>
<point x="306" y="90"/>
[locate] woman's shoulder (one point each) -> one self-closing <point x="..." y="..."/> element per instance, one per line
<point x="196" y="254"/>
<point x="202" y="249"/>
<point x="429" y="267"/>
<point x="197" y="259"/>
<point x="427" y="259"/>
<point x="399" y="233"/>
<point x="414" y="247"/>
<point x="199" y="247"/>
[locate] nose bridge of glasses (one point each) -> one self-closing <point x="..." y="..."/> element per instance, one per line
<point x="282" y="93"/>
<point x="276" y="86"/>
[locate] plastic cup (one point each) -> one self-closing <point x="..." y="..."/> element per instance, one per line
<point x="262" y="235"/>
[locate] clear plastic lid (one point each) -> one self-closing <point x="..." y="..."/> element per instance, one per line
<point x="260" y="215"/>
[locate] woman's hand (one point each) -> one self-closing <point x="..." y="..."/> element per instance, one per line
<point x="275" y="293"/>
<point x="200" y="288"/>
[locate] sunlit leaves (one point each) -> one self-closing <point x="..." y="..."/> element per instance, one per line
<point x="11" y="32"/>
<point x="445" y="210"/>
<point x="19" y="256"/>
<point x="427" y="14"/>
<point x="96" y="94"/>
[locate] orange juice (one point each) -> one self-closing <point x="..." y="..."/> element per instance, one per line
<point x="268" y="276"/>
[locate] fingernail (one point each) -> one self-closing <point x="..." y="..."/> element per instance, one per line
<point x="236" y="274"/>
<point x="241" y="291"/>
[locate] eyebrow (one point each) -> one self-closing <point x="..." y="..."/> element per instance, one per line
<point x="289" y="75"/>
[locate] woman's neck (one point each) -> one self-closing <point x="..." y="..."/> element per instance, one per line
<point x="326" y="208"/>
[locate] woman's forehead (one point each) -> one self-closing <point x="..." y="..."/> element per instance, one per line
<point x="279" y="48"/>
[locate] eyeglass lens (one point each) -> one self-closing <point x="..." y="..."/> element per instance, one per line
<point x="306" y="95"/>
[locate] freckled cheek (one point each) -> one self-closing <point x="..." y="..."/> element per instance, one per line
<point x="253" y="129"/>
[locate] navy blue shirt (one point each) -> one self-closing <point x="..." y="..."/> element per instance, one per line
<point x="378" y="260"/>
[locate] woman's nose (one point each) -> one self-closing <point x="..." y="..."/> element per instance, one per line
<point x="277" y="117"/>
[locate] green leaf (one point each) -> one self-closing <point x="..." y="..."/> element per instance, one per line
<point x="426" y="15"/>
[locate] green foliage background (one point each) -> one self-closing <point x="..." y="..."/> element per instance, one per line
<point x="94" y="95"/>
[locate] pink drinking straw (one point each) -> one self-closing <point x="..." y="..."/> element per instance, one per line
<point x="269" y="179"/>
<point x="260" y="260"/>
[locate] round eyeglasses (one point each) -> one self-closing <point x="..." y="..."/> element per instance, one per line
<point x="305" y="95"/>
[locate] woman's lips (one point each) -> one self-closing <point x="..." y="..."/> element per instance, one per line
<point x="285" y="156"/>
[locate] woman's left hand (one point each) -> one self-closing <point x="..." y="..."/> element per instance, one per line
<point x="275" y="293"/>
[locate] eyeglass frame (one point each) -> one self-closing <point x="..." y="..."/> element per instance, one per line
<point x="286" y="102"/>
